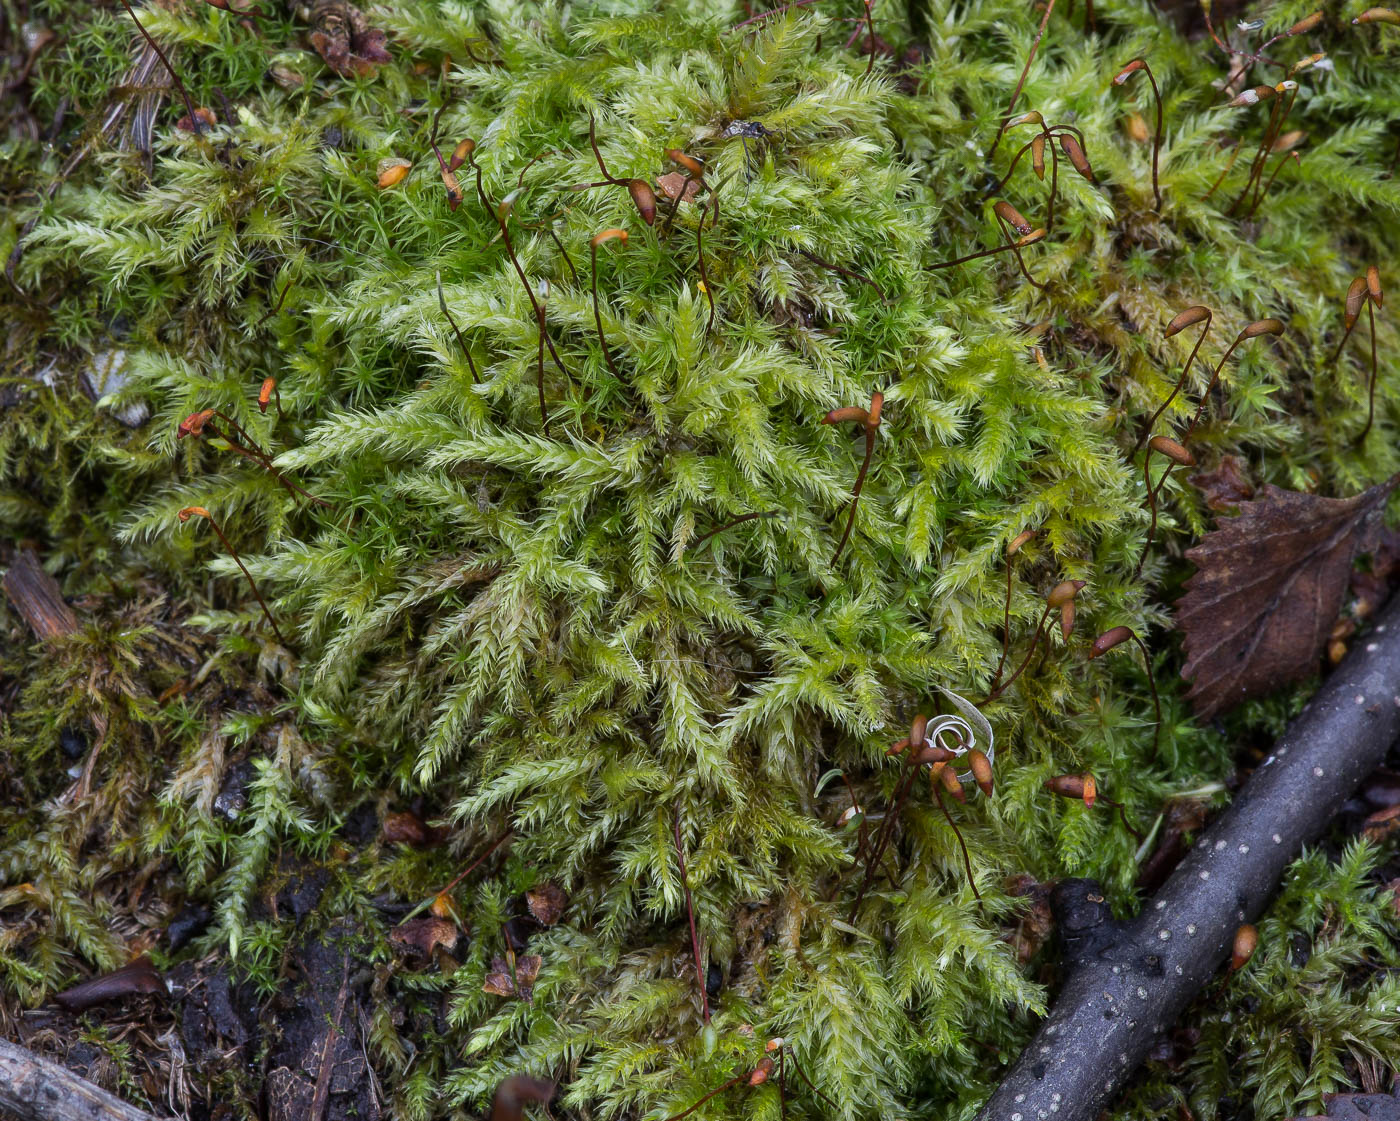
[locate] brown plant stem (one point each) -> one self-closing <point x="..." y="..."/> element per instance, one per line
<point x="174" y="77"/>
<point x="539" y="368"/>
<point x="1263" y="194"/>
<point x="690" y="912"/>
<point x="1152" y="505"/>
<point x="1371" y="393"/>
<point x="1156" y="701"/>
<point x="598" y="315"/>
<point x="1005" y="628"/>
<point x="519" y="271"/>
<point x="1025" y="70"/>
<point x="1234" y="155"/>
<point x="871" y="432"/>
<point x="717" y="1090"/>
<point x="967" y="860"/>
<point x="185" y="515"/>
<point x="1016" y="251"/>
<point x="903" y="783"/>
<point x="442" y="303"/>
<point x="1035" y="641"/>
<point x="843" y="271"/>
<point x="700" y="253"/>
<point x="1020" y="243"/>
<point x="731" y="524"/>
<point x="1180" y="382"/>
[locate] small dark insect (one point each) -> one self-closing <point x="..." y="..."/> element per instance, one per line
<point x="753" y="130"/>
<point x="746" y="131"/>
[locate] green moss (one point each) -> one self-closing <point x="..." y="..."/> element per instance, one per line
<point x="525" y="625"/>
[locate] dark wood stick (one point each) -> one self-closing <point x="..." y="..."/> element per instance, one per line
<point x="35" y="1089"/>
<point x="1114" y="1008"/>
<point x="36" y="596"/>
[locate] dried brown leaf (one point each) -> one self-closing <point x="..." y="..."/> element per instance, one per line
<point x="515" y="1093"/>
<point x="423" y="936"/>
<point x="1227" y="486"/>
<point x="500" y="982"/>
<point x="1258" y="612"/>
<point x="546" y="903"/>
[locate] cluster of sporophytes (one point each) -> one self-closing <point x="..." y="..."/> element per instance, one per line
<point x="538" y="518"/>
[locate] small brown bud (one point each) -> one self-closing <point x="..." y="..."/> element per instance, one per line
<point x="1336" y="651"/>
<point x="202" y="115"/>
<point x="1114" y="636"/>
<point x="877" y="402"/>
<point x="1091" y="791"/>
<point x="898" y="748"/>
<point x="1373" y="286"/>
<point x="1066" y="786"/>
<point x="265" y="393"/>
<point x="644" y="198"/>
<point x="460" y="153"/>
<point x="454" y="189"/>
<point x="608" y="235"/>
<point x="1356" y="295"/>
<point x="1188" y="318"/>
<point x="850" y="412"/>
<point x="1177" y="453"/>
<point x="918" y="730"/>
<point x="951" y="783"/>
<point x="193" y="425"/>
<point x="1024" y="119"/>
<point x="1067" y="620"/>
<point x="1038" y="156"/>
<point x="1304" y="25"/>
<point x="1012" y="217"/>
<point x="1076" y="156"/>
<point x="934" y="754"/>
<point x="1251" y="97"/>
<point x="1063" y="592"/>
<point x="1288" y="141"/>
<point x="1246" y="942"/>
<point x="690" y="163"/>
<point x="392" y="172"/>
<point x="981" y="770"/>
<point x="1377" y="15"/>
<point x="1020" y="539"/>
<point x="194" y="512"/>
<point x="1128" y="71"/>
<point x="761" y="1072"/>
<point x="1262" y="327"/>
<point x="774" y="1044"/>
<point x="1307" y="61"/>
<point x="1137" y="128"/>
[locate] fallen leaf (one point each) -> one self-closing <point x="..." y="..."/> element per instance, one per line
<point x="1381" y="824"/>
<point x="423" y="936"/>
<point x="1269" y="585"/>
<point x="546" y="903"/>
<point x="673" y="182"/>
<point x="342" y="36"/>
<point x="515" y="1093"/>
<point x="138" y="977"/>
<point x="1225" y="487"/>
<point x="500" y="983"/>
<point x="404" y="829"/>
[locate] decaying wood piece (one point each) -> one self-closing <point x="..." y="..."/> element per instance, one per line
<point x="35" y="1089"/>
<point x="1113" y="1008"/>
<point x="36" y="596"/>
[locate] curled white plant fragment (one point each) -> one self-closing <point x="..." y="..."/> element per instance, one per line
<point x="962" y="733"/>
